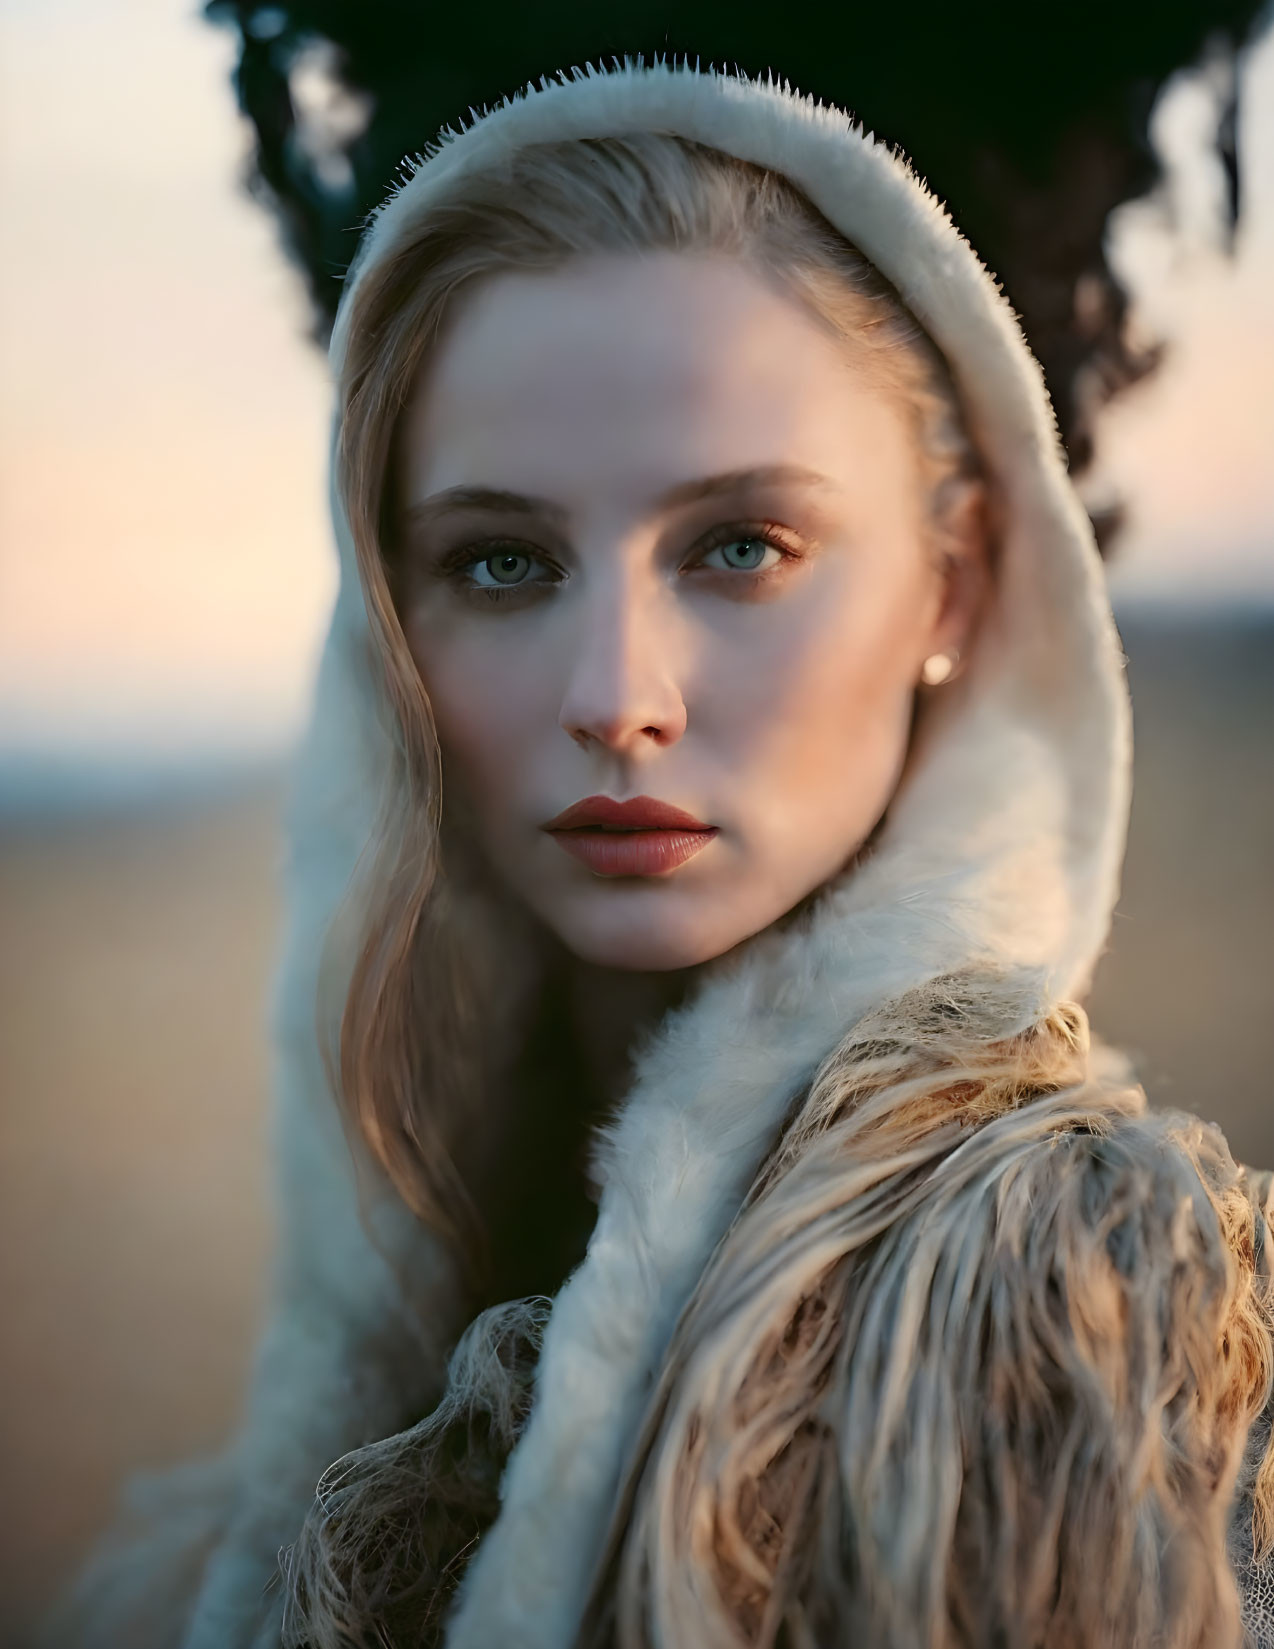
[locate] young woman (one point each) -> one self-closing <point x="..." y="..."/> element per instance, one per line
<point x="710" y="820"/>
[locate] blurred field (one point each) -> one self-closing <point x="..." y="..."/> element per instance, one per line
<point x="1187" y="984"/>
<point x="134" y="961"/>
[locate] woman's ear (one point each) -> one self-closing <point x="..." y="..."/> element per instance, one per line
<point x="964" y="550"/>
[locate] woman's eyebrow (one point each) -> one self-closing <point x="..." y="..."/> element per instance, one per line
<point x="482" y="498"/>
<point x="764" y="475"/>
<point x="502" y="502"/>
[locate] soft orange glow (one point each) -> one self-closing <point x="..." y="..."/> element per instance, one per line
<point x="165" y="565"/>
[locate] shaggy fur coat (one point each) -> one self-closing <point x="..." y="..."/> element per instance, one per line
<point x="902" y="1321"/>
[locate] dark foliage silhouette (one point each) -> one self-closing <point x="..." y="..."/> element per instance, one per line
<point x="1030" y="121"/>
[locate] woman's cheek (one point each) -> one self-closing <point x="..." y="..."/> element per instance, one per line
<point x="490" y="709"/>
<point x="832" y="743"/>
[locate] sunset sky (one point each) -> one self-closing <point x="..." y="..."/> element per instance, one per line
<point x="165" y="567"/>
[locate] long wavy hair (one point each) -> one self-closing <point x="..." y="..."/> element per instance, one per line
<point x="410" y="1067"/>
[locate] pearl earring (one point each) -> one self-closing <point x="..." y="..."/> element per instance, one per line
<point x="937" y="667"/>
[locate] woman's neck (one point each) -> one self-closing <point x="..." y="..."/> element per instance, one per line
<point x="539" y="1201"/>
<point x="609" y="1013"/>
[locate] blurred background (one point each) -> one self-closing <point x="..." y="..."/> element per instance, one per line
<point x="180" y="194"/>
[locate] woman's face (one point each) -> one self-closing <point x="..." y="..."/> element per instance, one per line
<point x="663" y="545"/>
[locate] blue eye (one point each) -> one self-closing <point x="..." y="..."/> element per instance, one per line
<point x="743" y="555"/>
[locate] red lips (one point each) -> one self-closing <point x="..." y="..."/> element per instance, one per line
<point x="641" y="837"/>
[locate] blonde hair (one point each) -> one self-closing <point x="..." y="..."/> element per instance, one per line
<point x="408" y="1059"/>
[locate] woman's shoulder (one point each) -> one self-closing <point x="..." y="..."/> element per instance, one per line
<point x="1022" y="1322"/>
<point x="1086" y="1299"/>
<point x="1093" y="1310"/>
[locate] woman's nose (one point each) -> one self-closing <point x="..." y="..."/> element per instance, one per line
<point x="622" y="693"/>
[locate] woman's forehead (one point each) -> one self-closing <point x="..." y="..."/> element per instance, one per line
<point x="636" y="375"/>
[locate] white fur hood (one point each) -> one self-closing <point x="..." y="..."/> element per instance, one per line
<point x="1003" y="844"/>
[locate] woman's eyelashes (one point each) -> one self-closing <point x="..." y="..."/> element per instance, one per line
<point x="735" y="555"/>
<point x="758" y="550"/>
<point x="497" y="570"/>
<point x="509" y="569"/>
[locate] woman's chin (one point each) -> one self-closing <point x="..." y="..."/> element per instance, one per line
<point x="649" y="935"/>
